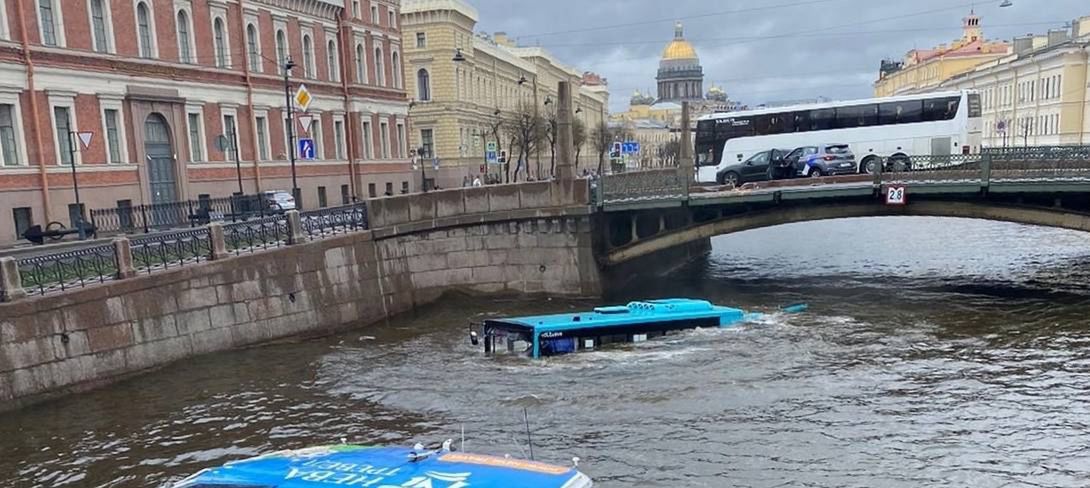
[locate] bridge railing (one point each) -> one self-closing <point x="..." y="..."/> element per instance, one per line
<point x="656" y="184"/>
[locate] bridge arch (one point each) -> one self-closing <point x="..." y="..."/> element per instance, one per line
<point x="779" y="215"/>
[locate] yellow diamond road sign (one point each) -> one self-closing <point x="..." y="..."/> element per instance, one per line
<point x="303" y="98"/>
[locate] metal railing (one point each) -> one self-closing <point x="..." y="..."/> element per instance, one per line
<point x="70" y="269"/>
<point x="173" y="215"/>
<point x="162" y="251"/>
<point x="336" y="220"/>
<point x="252" y="235"/>
<point x="657" y="184"/>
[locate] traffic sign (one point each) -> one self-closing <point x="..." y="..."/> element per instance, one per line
<point x="302" y="97"/>
<point x="630" y="147"/>
<point x="491" y="157"/>
<point x="1001" y="126"/>
<point x="85" y="138"/>
<point x="615" y="151"/>
<point x="896" y="195"/>
<point x="491" y="146"/>
<point x="306" y="148"/>
<point x="305" y="121"/>
<point x="435" y="164"/>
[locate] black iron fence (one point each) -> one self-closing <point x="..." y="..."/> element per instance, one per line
<point x="252" y="235"/>
<point x="336" y="220"/>
<point x="128" y="219"/>
<point x="162" y="251"/>
<point x="70" y="269"/>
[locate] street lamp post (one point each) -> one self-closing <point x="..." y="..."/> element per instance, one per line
<point x="420" y="152"/>
<point x="288" y="65"/>
<point x="72" y="136"/>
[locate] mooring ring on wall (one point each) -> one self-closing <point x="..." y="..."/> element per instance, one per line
<point x="541" y="268"/>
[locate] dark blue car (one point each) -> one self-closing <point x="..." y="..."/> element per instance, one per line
<point x="822" y="160"/>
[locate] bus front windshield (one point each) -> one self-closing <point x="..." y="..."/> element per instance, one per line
<point x="511" y="341"/>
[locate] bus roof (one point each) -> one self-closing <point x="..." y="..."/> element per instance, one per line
<point x="840" y="103"/>
<point x="634" y="313"/>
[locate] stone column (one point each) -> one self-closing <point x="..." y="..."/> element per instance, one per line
<point x="685" y="150"/>
<point x="217" y="241"/>
<point x="123" y="258"/>
<point x="11" y="285"/>
<point x="564" y="169"/>
<point x="296" y="234"/>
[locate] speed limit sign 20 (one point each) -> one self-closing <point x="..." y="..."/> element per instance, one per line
<point x="896" y="195"/>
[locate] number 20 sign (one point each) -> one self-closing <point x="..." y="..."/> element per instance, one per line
<point x="896" y="195"/>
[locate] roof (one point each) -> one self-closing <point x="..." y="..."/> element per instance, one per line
<point x="678" y="48"/>
<point x="350" y="465"/>
<point x="633" y="313"/>
<point x="460" y="6"/>
<point x="839" y="103"/>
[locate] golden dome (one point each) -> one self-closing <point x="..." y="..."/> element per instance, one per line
<point x="678" y="48"/>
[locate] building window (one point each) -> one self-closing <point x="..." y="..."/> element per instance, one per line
<point x="401" y="140"/>
<point x="384" y="134"/>
<point x="331" y="60"/>
<point x="345" y="197"/>
<point x="374" y="14"/>
<point x="371" y="191"/>
<point x="368" y="144"/>
<point x="308" y="57"/>
<point x="423" y="85"/>
<point x="185" y="50"/>
<point x="196" y="141"/>
<point x="9" y="148"/>
<point x="219" y="36"/>
<point x="361" y="65"/>
<point x="261" y="123"/>
<point x="99" y="26"/>
<point x="395" y="65"/>
<point x="231" y="132"/>
<point x="426" y="143"/>
<point x="322" y="202"/>
<point x="380" y="77"/>
<point x="338" y="138"/>
<point x="48" y="22"/>
<point x="253" y="48"/>
<point x="113" y="135"/>
<point x="316" y="135"/>
<point x="143" y="28"/>
<point x="389" y="189"/>
<point x="65" y="149"/>
<point x="404" y="187"/>
<point x="23" y="218"/>
<point x="421" y="40"/>
<point x="281" y="51"/>
<point x="391" y="20"/>
<point x="356" y="9"/>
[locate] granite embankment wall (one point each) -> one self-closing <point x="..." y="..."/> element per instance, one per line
<point x="528" y="238"/>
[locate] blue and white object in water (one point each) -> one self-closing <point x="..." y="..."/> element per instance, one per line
<point x="549" y="335"/>
<point x="385" y="467"/>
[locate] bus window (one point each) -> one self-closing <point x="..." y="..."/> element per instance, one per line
<point x="974" y="105"/>
<point x="900" y="112"/>
<point x="802" y="121"/>
<point x="823" y="119"/>
<point x="857" y="116"/>
<point x="940" y="108"/>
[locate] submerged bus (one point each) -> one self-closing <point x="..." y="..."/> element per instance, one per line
<point x="892" y="129"/>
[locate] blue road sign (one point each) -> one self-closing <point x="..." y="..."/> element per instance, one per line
<point x="306" y="148"/>
<point x="435" y="164"/>
<point x="630" y="147"/>
<point x="491" y="157"/>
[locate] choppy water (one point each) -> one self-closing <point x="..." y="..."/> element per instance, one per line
<point x="936" y="352"/>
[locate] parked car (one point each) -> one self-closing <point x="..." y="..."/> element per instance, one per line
<point x="822" y="160"/>
<point x="278" y="200"/>
<point x="764" y="165"/>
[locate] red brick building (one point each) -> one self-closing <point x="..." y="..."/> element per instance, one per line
<point x="158" y="81"/>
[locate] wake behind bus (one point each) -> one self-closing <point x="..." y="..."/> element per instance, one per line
<point x="889" y="131"/>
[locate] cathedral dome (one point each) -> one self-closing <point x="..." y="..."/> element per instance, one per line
<point x="679" y="49"/>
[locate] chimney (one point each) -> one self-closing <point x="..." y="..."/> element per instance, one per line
<point x="1057" y="36"/>
<point x="1023" y="44"/>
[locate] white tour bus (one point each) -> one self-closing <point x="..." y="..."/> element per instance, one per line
<point x="892" y="129"/>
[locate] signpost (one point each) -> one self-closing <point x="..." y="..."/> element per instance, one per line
<point x="896" y="195"/>
<point x="85" y="139"/>
<point x="630" y="147"/>
<point x="302" y="97"/>
<point x="305" y="121"/>
<point x="306" y="148"/>
<point x="490" y="154"/>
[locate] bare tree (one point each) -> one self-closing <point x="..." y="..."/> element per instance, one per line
<point x="528" y="131"/>
<point x="578" y="137"/>
<point x="601" y="140"/>
<point x="495" y="129"/>
<point x="552" y="126"/>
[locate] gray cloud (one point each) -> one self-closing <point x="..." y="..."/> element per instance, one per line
<point x="758" y="50"/>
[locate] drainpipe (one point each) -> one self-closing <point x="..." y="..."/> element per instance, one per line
<point x="249" y="94"/>
<point x="350" y="140"/>
<point x="34" y="110"/>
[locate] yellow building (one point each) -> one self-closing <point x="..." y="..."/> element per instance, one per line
<point x="924" y="69"/>
<point x="1036" y="96"/>
<point x="461" y="83"/>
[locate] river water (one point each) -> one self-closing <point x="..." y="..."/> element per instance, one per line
<point x="936" y="352"/>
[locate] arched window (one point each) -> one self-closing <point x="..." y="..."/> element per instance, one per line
<point x="98" y="26"/>
<point x="423" y="85"/>
<point x="185" y="51"/>
<point x="281" y="51"/>
<point x="253" y="51"/>
<point x="395" y="64"/>
<point x="331" y="59"/>
<point x="143" y="28"/>
<point x="380" y="78"/>
<point x="361" y="65"/>
<point x="220" y="41"/>
<point x="308" y="57"/>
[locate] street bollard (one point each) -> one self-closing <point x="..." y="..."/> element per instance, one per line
<point x="11" y="284"/>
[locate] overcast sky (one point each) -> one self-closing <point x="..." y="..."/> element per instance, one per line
<point x="758" y="50"/>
